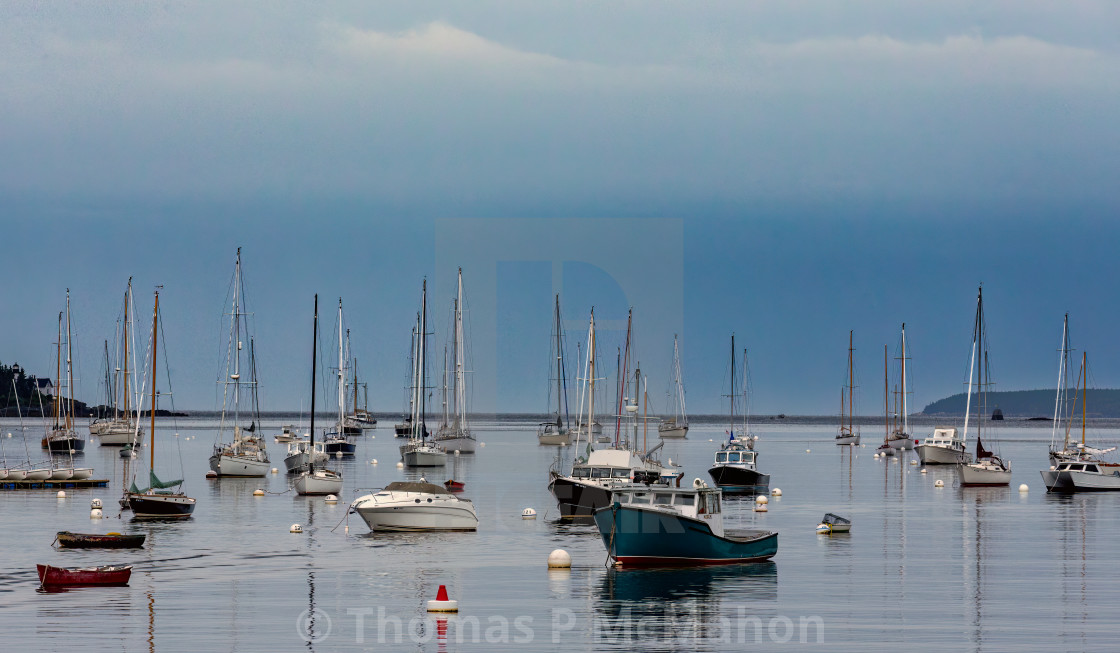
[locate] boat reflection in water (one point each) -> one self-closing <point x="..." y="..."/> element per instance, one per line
<point x="686" y="605"/>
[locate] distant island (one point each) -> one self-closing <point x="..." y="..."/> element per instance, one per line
<point x="1020" y="404"/>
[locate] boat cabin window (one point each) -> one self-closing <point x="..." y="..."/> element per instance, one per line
<point x="733" y="457"/>
<point x="622" y="473"/>
<point x="663" y="499"/>
<point x="721" y="457"/>
<point x="1076" y="468"/>
<point x="581" y="472"/>
<point x="599" y="472"/>
<point x="686" y="500"/>
<point x="639" y="497"/>
<point x="1091" y="468"/>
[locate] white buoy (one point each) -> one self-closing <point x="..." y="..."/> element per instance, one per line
<point x="373" y="462"/>
<point x="823" y="529"/>
<point x="400" y="465"/>
<point x="95" y="503"/>
<point x="1023" y="488"/>
<point x="482" y="444"/>
<point x="330" y="498"/>
<point x="528" y="513"/>
<point x="559" y="559"/>
<point x="209" y="474"/>
<point x="710" y="440"/>
<point x="442" y="603"/>
<point x="939" y="483"/>
<point x="456" y="452"/>
<point x="373" y="437"/>
<point x="761" y="500"/>
<point x="913" y="462"/>
<point x="807" y="450"/>
<point x="1052" y="468"/>
<point x="760" y="508"/>
<point x="338" y="454"/>
<point x="776" y="492"/>
<point x="296" y="528"/>
<point x="95" y="513"/>
<point x="275" y="471"/>
<point x="61" y="494"/>
<point x="258" y="492"/>
<point x="875" y="456"/>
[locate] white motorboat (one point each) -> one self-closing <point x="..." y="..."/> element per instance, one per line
<point x="288" y="433"/>
<point x="415" y="506"/>
<point x="943" y="448"/>
<point x="549" y="434"/>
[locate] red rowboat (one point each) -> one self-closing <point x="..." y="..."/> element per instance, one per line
<point x="106" y="575"/>
<point x="454" y="486"/>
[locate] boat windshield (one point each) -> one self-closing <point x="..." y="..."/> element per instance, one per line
<point x="621" y="473"/>
<point x="663" y="499"/>
<point x="733" y="457"/>
<point x="1092" y="468"/>
<point x="721" y="457"/>
<point x="709" y="504"/>
<point x="581" y="472"/>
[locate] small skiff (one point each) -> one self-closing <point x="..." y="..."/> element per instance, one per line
<point x="68" y="540"/>
<point x="106" y="575"/>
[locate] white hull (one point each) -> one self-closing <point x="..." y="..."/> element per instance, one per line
<point x="424" y="458"/>
<point x="295" y="461"/>
<point x="983" y="474"/>
<point x="464" y="443"/>
<point x="320" y="481"/>
<point x="62" y="474"/>
<point x="1085" y="481"/>
<point x="226" y="465"/>
<point x="14" y="474"/>
<point x="81" y="473"/>
<point x="561" y="439"/>
<point x="673" y="433"/>
<point x="936" y="455"/>
<point x="847" y="439"/>
<point x="420" y="518"/>
<point x="906" y="443"/>
<point x="37" y="474"/>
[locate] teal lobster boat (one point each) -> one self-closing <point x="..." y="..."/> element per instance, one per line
<point x="663" y="526"/>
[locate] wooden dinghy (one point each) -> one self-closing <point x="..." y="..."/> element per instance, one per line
<point x="69" y="540"/>
<point x="105" y="575"/>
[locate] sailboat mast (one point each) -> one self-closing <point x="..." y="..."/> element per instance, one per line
<point x="341" y="373"/>
<point x="971" y="368"/>
<point x="69" y="368"/>
<point x="886" y="398"/>
<point x="559" y="359"/>
<point x="732" y="385"/>
<point x="314" y="360"/>
<point x="237" y="347"/>
<point x="127" y="332"/>
<point x="1059" y="395"/>
<point x="1084" y="395"/>
<point x="851" y="380"/>
<point x="58" y="374"/>
<point x="591" y="379"/>
<point x="905" y="410"/>
<point x="421" y="358"/>
<point x="414" y="397"/>
<point x="152" y="424"/>
<point x="460" y="370"/>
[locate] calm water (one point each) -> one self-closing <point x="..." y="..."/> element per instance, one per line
<point x="943" y="569"/>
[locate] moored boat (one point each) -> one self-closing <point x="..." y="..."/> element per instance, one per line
<point x="646" y="526"/>
<point x="68" y="540"/>
<point x="105" y="575"/>
<point x="415" y="506"/>
<point x="943" y="447"/>
<point x="848" y="435"/>
<point x="312" y="480"/>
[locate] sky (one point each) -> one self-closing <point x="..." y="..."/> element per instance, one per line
<point x="783" y="171"/>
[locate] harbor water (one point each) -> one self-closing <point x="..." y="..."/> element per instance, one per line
<point x="924" y="568"/>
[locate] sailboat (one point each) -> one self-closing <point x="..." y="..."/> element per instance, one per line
<point x="246" y="453"/>
<point x="901" y="437"/>
<point x="120" y="429"/>
<point x="340" y="440"/>
<point x="312" y="479"/>
<point x="403" y="428"/>
<point x="26" y="471"/>
<point x="886" y="449"/>
<point x="457" y="436"/>
<point x="1085" y="472"/>
<point x="158" y="500"/>
<point x="989" y="468"/>
<point x="418" y="451"/>
<point x="593" y="478"/>
<point x="677" y="425"/>
<point x="1061" y="400"/>
<point x="596" y="427"/>
<point x="348" y="425"/>
<point x="847" y="434"/>
<point x="61" y="436"/>
<point x="735" y="468"/>
<point x="558" y="429"/>
<point x="361" y="414"/>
